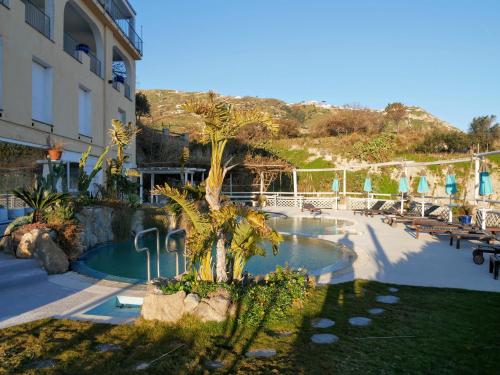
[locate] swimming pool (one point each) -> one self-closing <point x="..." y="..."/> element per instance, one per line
<point x="120" y="261"/>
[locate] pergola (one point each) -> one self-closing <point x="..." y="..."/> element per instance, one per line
<point x="186" y="175"/>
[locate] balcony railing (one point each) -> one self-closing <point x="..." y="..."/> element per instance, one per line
<point x="95" y="64"/>
<point x="5" y="3"/>
<point x="70" y="45"/>
<point x="37" y="18"/>
<point x="123" y="23"/>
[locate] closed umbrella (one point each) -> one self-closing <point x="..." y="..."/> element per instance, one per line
<point x="335" y="189"/>
<point x="367" y="187"/>
<point x="485" y="188"/>
<point x="404" y="187"/>
<point x="451" y="189"/>
<point x="423" y="187"/>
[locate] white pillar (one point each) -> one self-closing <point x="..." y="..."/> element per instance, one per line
<point x="294" y="173"/>
<point x="344" y="182"/>
<point x="141" y="188"/>
<point x="186" y="180"/>
<point x="231" y="183"/>
<point x="261" y="190"/>
<point x="152" y="187"/>
<point x="192" y="178"/>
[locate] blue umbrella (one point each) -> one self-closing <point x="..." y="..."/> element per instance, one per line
<point x="335" y="185"/>
<point x="368" y="185"/>
<point x="450" y="189"/>
<point x="423" y="187"/>
<point x="485" y="188"/>
<point x="404" y="187"/>
<point x="451" y="184"/>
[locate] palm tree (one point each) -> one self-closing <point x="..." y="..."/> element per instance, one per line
<point x="222" y="121"/>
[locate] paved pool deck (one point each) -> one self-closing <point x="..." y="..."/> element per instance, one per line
<point x="385" y="254"/>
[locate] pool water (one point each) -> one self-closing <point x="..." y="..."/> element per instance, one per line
<point x="308" y="227"/>
<point x="115" y="307"/>
<point x="121" y="261"/>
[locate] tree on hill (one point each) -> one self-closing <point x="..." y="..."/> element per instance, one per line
<point x="142" y="106"/>
<point x="396" y="112"/>
<point x="484" y="131"/>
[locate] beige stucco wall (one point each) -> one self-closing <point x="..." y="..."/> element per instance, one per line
<point x="22" y="43"/>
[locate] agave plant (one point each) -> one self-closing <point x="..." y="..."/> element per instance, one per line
<point x="85" y="179"/>
<point x="40" y="200"/>
<point x="222" y="122"/>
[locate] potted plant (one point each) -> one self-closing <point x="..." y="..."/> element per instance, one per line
<point x="55" y="149"/>
<point x="83" y="47"/>
<point x="466" y="217"/>
<point x="261" y="200"/>
<point x="119" y="78"/>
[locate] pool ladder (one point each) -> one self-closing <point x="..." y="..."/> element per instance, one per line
<point x="148" y="254"/>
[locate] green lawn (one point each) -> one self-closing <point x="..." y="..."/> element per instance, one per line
<point x="452" y="332"/>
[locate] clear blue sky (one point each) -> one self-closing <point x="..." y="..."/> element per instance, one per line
<point x="442" y="55"/>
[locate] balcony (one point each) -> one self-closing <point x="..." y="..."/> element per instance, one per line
<point x="75" y="49"/>
<point x="124" y="23"/>
<point x="37" y="18"/>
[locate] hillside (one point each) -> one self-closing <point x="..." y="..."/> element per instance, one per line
<point x="166" y="112"/>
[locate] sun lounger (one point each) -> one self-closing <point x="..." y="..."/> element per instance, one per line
<point x="432" y="226"/>
<point x="368" y="211"/>
<point x="393" y="220"/>
<point x="309" y="207"/>
<point x="466" y="235"/>
<point x="479" y="250"/>
<point x="494" y="265"/>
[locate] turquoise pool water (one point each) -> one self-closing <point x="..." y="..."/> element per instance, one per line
<point x="121" y="261"/>
<point x="309" y="227"/>
<point x="113" y="308"/>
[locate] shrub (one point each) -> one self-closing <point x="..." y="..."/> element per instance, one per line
<point x="60" y="214"/>
<point x="377" y="149"/>
<point x="289" y="128"/>
<point x="347" y="121"/>
<point x="121" y="223"/>
<point x="440" y="141"/>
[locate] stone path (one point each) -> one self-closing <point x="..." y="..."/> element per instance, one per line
<point x="322" y="323"/>
<point x="388" y="299"/>
<point x="360" y="321"/>
<point x="324" y="338"/>
<point x="376" y="311"/>
<point x="261" y="353"/>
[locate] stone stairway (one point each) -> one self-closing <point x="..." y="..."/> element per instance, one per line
<point x="19" y="272"/>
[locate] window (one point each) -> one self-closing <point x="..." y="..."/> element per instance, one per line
<point x="1" y="73"/>
<point x="84" y="112"/>
<point x="73" y="176"/>
<point x="41" y="93"/>
<point x="122" y="116"/>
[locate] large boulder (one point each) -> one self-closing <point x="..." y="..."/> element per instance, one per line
<point x="163" y="307"/>
<point x="191" y="302"/>
<point x="97" y="225"/>
<point x="28" y="242"/>
<point x="7" y="245"/>
<point x="51" y="257"/>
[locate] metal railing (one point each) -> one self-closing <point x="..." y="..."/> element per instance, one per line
<point x="95" y="64"/>
<point x="69" y="46"/>
<point x="167" y="248"/>
<point x="123" y="23"/>
<point x="127" y="90"/>
<point x="146" y="249"/>
<point x="37" y="18"/>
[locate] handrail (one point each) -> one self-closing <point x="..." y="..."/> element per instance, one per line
<point x="37" y="18"/>
<point x="176" y="251"/>
<point x="136" y="245"/>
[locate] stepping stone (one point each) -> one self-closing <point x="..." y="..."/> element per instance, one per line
<point x="388" y="299"/>
<point x="261" y="353"/>
<point x="376" y="311"/>
<point x="322" y="323"/>
<point x="393" y="290"/>
<point x="43" y="363"/>
<point x="213" y="364"/>
<point x="279" y="333"/>
<point x="142" y="366"/>
<point x="324" y="338"/>
<point x="108" y="347"/>
<point x="360" y="321"/>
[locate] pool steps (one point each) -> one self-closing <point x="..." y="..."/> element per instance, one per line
<point x="20" y="272"/>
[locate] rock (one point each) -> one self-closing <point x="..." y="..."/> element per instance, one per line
<point x="322" y="323"/>
<point x="108" y="347"/>
<point x="261" y="353"/>
<point x="213" y="364"/>
<point x="220" y="304"/>
<point x="191" y="302"/>
<point x="137" y="220"/>
<point x="7" y="245"/>
<point x="28" y="242"/>
<point x="52" y="258"/>
<point x="96" y="225"/>
<point x="393" y="290"/>
<point x="359" y="321"/>
<point x="163" y="307"/>
<point x="324" y="338"/>
<point x="387" y="299"/>
<point x="206" y="313"/>
<point x="376" y="311"/>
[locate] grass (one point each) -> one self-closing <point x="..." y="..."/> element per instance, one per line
<point x="452" y="331"/>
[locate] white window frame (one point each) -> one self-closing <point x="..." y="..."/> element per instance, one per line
<point x="122" y="115"/>
<point x="46" y="95"/>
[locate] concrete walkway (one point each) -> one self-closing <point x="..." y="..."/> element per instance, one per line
<point x="394" y="255"/>
<point x="385" y="254"/>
